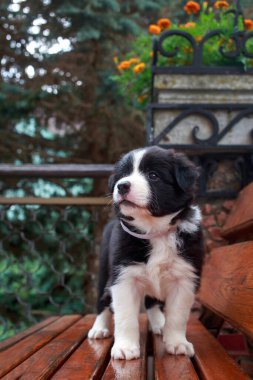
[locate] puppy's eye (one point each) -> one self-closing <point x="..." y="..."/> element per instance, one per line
<point x="153" y="176"/>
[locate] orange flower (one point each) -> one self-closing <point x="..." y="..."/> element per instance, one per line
<point x="164" y="23"/>
<point x="154" y="29"/>
<point x="198" y="38"/>
<point x="188" y="49"/>
<point x="124" y="65"/>
<point x="221" y="5"/>
<point x="133" y="61"/>
<point x="189" y="25"/>
<point x="248" y="24"/>
<point x="141" y="99"/>
<point x="151" y="54"/>
<point x="192" y="7"/>
<point x="139" y="68"/>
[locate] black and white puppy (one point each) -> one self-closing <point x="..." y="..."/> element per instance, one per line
<point x="154" y="249"/>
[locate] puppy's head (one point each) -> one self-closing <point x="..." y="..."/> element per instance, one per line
<point x="153" y="180"/>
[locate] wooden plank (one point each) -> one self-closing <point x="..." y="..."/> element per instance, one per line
<point x="171" y="367"/>
<point x="16" y="354"/>
<point x="89" y="361"/>
<point x="61" y="201"/>
<point x="56" y="170"/>
<point x="43" y="363"/>
<point x="227" y="285"/>
<point x="211" y="360"/>
<point x="135" y="369"/>
<point x="239" y="223"/>
<point x="16" y="338"/>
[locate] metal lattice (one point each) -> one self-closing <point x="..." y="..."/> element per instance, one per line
<point x="48" y="256"/>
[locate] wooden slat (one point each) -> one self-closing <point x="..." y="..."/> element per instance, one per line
<point x="60" y="201"/>
<point x="240" y="220"/>
<point x="16" y="354"/>
<point x="16" y="338"/>
<point x="227" y="285"/>
<point x="89" y="361"/>
<point x="131" y="369"/>
<point x="43" y="363"/>
<point x="171" y="367"/>
<point x="56" y="170"/>
<point x="212" y="362"/>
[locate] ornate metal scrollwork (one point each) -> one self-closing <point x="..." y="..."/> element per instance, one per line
<point x="221" y="146"/>
<point x="239" y="38"/>
<point x="205" y="111"/>
<point x="184" y="115"/>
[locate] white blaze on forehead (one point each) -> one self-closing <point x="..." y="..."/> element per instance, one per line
<point x="137" y="157"/>
<point x="139" y="192"/>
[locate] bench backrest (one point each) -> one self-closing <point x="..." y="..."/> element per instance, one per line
<point x="227" y="285"/>
<point x="239" y="225"/>
<point x="227" y="278"/>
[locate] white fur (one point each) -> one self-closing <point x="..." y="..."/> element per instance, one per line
<point x="156" y="319"/>
<point x="167" y="277"/>
<point x="192" y="225"/>
<point x="126" y="300"/>
<point x="100" y="329"/>
<point x="139" y="192"/>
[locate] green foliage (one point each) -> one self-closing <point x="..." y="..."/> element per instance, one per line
<point x="43" y="266"/>
<point x="55" y="69"/>
<point x="135" y="88"/>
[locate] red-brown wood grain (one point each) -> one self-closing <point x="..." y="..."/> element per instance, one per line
<point x="43" y="363"/>
<point x="16" y="354"/>
<point x="16" y="338"/>
<point x="239" y="223"/>
<point x="171" y="367"/>
<point x="227" y="285"/>
<point x="131" y="369"/>
<point x="88" y="361"/>
<point x="212" y="362"/>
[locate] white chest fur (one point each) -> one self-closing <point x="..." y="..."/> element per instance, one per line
<point x="164" y="269"/>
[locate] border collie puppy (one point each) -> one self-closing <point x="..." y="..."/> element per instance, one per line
<point x="154" y="249"/>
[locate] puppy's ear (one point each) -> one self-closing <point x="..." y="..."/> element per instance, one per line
<point x="186" y="174"/>
<point x="111" y="183"/>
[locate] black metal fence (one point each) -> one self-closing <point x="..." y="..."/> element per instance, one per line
<point x="48" y="243"/>
<point x="226" y="138"/>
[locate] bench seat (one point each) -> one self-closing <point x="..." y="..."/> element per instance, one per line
<point x="58" y="349"/>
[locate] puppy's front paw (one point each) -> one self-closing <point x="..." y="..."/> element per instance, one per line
<point x="125" y="350"/>
<point x="100" y="333"/>
<point x="179" y="347"/>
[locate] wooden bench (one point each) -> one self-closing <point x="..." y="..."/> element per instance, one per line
<point x="58" y="348"/>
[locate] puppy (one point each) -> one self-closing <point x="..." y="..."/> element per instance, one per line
<point x="154" y="249"/>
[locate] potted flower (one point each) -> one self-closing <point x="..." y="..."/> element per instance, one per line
<point x="220" y="49"/>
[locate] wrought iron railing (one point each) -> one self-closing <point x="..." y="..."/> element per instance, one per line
<point x="48" y="246"/>
<point x="239" y="38"/>
<point x="219" y="120"/>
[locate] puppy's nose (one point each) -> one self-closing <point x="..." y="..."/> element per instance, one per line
<point x="124" y="187"/>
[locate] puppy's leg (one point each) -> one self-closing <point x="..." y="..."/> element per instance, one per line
<point x="100" y="329"/>
<point x="101" y="326"/>
<point x="126" y="305"/>
<point x="155" y="315"/>
<point x="177" y="309"/>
